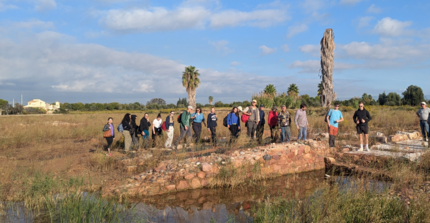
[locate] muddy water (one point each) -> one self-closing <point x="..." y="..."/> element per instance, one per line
<point x="225" y="204"/>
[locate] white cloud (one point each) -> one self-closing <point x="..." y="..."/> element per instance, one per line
<point x="234" y="63"/>
<point x="33" y="23"/>
<point x="155" y="19"/>
<point x="374" y="9"/>
<point x="221" y="46"/>
<point x="349" y="2"/>
<point x="266" y="50"/>
<point x="44" y="5"/>
<point x="314" y="50"/>
<point x="4" y="6"/>
<point x="392" y="27"/>
<point x="258" y="18"/>
<point x="314" y="66"/>
<point x="364" y="21"/>
<point x="285" y="48"/>
<point x="294" y="30"/>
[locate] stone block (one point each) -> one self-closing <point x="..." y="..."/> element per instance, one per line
<point x="170" y="187"/>
<point x="189" y="176"/>
<point x="182" y="185"/>
<point x="307" y="149"/>
<point x="206" y="167"/>
<point x="131" y="169"/>
<point x="195" y="183"/>
<point x="276" y="157"/>
<point x="201" y="175"/>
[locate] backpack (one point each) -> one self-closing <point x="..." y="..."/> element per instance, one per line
<point x="244" y="117"/>
<point x="179" y="118"/>
<point x="224" y="121"/>
<point x="328" y="115"/>
<point x="163" y="126"/>
<point x="120" y="128"/>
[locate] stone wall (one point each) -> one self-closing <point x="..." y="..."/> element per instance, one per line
<point x="230" y="169"/>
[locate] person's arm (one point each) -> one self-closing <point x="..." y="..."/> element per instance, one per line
<point x="193" y="116"/>
<point x="153" y="128"/>
<point x="341" y="118"/>
<point x="106" y="127"/>
<point x="327" y="117"/>
<point x="418" y="114"/>
<point x="368" y="116"/>
<point x="246" y="111"/>
<point x="355" y="118"/>
<point x="209" y="120"/>
<point x="296" y="117"/>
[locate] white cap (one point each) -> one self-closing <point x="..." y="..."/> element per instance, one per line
<point x="239" y="108"/>
<point x="190" y="107"/>
<point x="423" y="103"/>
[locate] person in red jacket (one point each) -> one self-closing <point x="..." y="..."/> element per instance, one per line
<point x="273" y="124"/>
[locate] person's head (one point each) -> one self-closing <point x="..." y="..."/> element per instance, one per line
<point x="254" y="103"/>
<point x="423" y="104"/>
<point x="190" y="108"/>
<point x="274" y="108"/>
<point x="239" y="109"/>
<point x="303" y="106"/>
<point x="261" y="107"/>
<point x="336" y="106"/>
<point x="127" y="117"/>
<point x="159" y="116"/>
<point x="110" y="120"/>
<point x="133" y="117"/>
<point x="284" y="108"/>
<point x="198" y="110"/>
<point x="361" y="105"/>
<point x="213" y="109"/>
<point x="234" y="110"/>
<point x="146" y="115"/>
<point x="172" y="113"/>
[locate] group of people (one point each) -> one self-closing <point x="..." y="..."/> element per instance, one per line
<point x="252" y="116"/>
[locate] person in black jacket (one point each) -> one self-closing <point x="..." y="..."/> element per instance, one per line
<point x="361" y="118"/>
<point x="126" y="132"/>
<point x="260" y="126"/>
<point x="134" y="135"/>
<point x="144" y="128"/>
<point x="170" y="121"/>
<point x="211" y="123"/>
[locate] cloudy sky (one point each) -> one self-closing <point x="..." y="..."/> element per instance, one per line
<point x="134" y="50"/>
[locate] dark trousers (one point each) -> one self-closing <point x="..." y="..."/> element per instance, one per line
<point x="274" y="133"/>
<point x="252" y="127"/>
<point x="109" y="141"/>
<point x="182" y="134"/>
<point x="234" y="130"/>
<point x="213" y="134"/>
<point x="260" y="132"/>
<point x="155" y="136"/>
<point x="197" y="128"/>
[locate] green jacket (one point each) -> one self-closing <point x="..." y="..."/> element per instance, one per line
<point x="185" y="119"/>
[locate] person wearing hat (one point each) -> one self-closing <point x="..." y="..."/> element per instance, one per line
<point x="361" y="118"/>
<point x="284" y="122"/>
<point x="423" y="114"/>
<point x="273" y="124"/>
<point x="253" y="119"/>
<point x="185" y="126"/>
<point x="260" y="127"/>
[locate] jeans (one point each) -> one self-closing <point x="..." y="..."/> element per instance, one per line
<point x="425" y="127"/>
<point x="302" y="133"/>
<point x="182" y="135"/>
<point x="213" y="134"/>
<point x="286" y="133"/>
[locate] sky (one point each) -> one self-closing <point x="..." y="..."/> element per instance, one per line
<point x="131" y="51"/>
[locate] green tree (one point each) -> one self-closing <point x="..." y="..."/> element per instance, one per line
<point x="382" y="98"/>
<point x="191" y="81"/>
<point x="270" y="89"/>
<point x="393" y="99"/>
<point x="413" y="95"/>
<point x="320" y="89"/>
<point x="293" y="90"/>
<point x="3" y="103"/>
<point x="211" y="100"/>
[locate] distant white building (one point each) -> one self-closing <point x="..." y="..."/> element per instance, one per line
<point x="37" y="103"/>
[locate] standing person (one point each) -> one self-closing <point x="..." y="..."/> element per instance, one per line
<point x="423" y="114"/>
<point x="233" y="123"/>
<point x="109" y="140"/>
<point x="284" y="122"/>
<point x="198" y="118"/>
<point x="156" y="129"/>
<point x="273" y="123"/>
<point x="212" y="119"/>
<point x="170" y="121"/>
<point x="135" y="135"/>
<point x="260" y="127"/>
<point x="253" y="119"/>
<point x="361" y="118"/>
<point x="127" y="129"/>
<point x="301" y="121"/>
<point x="185" y="126"/>
<point x="333" y="118"/>
<point x="144" y="128"/>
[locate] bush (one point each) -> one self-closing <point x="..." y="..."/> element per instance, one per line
<point x="35" y="111"/>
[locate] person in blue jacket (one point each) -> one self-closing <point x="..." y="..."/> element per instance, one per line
<point x="233" y="123"/>
<point x="198" y="118"/>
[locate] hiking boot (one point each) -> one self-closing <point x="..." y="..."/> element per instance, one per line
<point x="360" y="150"/>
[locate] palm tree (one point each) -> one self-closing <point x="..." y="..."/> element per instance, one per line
<point x="191" y="81"/>
<point x="211" y="99"/>
<point x="293" y="90"/>
<point x="270" y="90"/>
<point x="320" y="89"/>
<point x="327" y="63"/>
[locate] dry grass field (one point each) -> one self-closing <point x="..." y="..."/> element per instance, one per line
<point x="71" y="146"/>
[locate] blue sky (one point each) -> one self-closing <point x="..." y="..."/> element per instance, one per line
<point x="129" y="50"/>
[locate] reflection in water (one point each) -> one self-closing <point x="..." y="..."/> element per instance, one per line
<point x="228" y="204"/>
